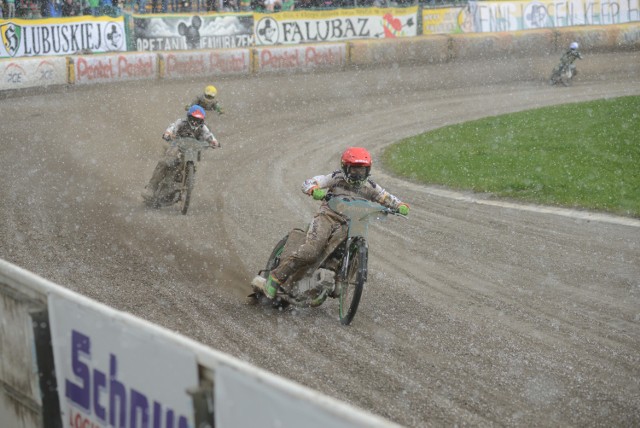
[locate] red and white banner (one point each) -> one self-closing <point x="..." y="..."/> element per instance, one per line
<point x="114" y="68"/>
<point x="301" y="58"/>
<point x="205" y="63"/>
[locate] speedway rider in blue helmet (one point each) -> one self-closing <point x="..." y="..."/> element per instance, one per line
<point x="192" y="126"/>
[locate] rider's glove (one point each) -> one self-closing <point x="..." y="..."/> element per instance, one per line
<point x="220" y="110"/>
<point x="318" y="193"/>
<point x="403" y="209"/>
<point x="166" y="136"/>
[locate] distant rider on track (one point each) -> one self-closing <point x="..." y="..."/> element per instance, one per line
<point x="192" y="126"/>
<point x="567" y="60"/>
<point x="207" y="100"/>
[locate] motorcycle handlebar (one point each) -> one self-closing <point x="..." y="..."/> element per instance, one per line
<point x="383" y="209"/>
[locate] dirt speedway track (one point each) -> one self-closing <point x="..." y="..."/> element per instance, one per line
<point x="475" y="314"/>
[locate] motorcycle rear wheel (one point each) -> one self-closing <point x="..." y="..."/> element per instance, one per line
<point x="350" y="290"/>
<point x="189" y="180"/>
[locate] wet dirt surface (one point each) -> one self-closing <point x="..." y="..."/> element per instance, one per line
<point x="474" y="314"/>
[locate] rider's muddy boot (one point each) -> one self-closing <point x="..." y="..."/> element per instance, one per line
<point x="157" y="176"/>
<point x="269" y="286"/>
<point x="147" y="193"/>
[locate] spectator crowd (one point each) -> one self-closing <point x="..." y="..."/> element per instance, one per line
<point x="33" y="9"/>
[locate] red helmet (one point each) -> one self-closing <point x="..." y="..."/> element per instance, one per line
<point x="356" y="165"/>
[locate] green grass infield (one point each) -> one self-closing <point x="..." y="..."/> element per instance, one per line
<point x="584" y="155"/>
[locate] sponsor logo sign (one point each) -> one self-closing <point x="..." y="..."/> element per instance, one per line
<point x="441" y="20"/>
<point x="335" y="25"/>
<point x="192" y="32"/>
<point x="14" y="74"/>
<point x="183" y="64"/>
<point x="301" y="57"/>
<point x="67" y="36"/>
<point x="110" y="68"/>
<point x="29" y="72"/>
<point x="113" y="373"/>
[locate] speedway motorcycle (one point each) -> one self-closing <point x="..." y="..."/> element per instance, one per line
<point x="563" y="74"/>
<point x="177" y="185"/>
<point x="341" y="271"/>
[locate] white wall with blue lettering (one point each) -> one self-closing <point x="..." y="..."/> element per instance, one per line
<point x="110" y="373"/>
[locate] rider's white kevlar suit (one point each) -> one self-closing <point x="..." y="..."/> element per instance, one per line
<point x="327" y="222"/>
<point x="567" y="60"/>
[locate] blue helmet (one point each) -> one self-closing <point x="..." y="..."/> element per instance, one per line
<point x="195" y="116"/>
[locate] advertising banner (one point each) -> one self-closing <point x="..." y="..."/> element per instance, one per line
<point x="496" y="16"/>
<point x="114" y="68"/>
<point x="335" y="25"/>
<point x="441" y="20"/>
<point x="110" y="373"/>
<point x="32" y="72"/>
<point x="190" y="32"/>
<point x="206" y="63"/>
<point x="301" y="58"/>
<point x="61" y="36"/>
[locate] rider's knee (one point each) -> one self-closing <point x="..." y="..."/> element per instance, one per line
<point x="308" y="253"/>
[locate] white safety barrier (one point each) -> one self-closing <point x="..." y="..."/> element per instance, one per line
<point x="115" y="67"/>
<point x="66" y="360"/>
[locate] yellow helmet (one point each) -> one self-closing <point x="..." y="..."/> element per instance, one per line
<point x="210" y="91"/>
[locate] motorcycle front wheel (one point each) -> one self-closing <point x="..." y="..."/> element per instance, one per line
<point x="189" y="179"/>
<point x="350" y="290"/>
<point x="274" y="258"/>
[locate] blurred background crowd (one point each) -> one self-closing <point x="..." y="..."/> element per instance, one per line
<point x="35" y="9"/>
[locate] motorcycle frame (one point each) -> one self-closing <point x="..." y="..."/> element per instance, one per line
<point x="168" y="185"/>
<point x="357" y="229"/>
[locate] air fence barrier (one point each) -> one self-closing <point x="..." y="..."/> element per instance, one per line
<point x="82" y="69"/>
<point x="69" y="361"/>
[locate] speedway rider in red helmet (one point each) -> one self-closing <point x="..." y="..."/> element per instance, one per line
<point x="352" y="179"/>
<point x="192" y="126"/>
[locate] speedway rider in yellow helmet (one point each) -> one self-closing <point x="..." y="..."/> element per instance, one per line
<point x="207" y="100"/>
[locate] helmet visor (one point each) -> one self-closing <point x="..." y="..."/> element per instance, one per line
<point x="195" y="122"/>
<point x="357" y="173"/>
<point x="209" y="96"/>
